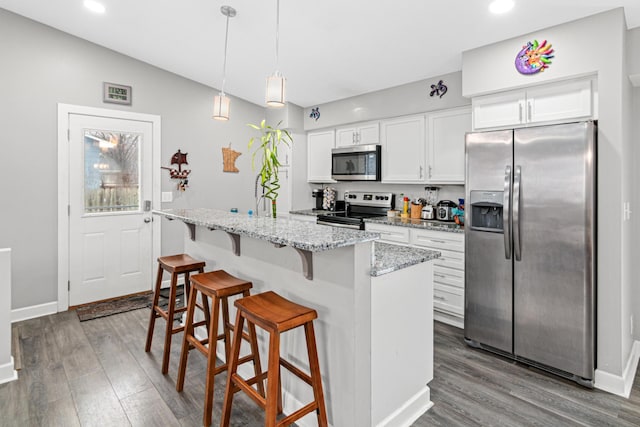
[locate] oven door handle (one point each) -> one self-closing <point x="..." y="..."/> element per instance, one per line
<point x="336" y="224"/>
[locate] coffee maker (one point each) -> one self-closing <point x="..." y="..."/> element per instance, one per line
<point x="318" y="195"/>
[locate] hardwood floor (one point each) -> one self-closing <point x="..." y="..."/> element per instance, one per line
<point x="475" y="388"/>
<point x="97" y="373"/>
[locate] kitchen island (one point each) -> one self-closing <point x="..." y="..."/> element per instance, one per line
<point x="375" y="323"/>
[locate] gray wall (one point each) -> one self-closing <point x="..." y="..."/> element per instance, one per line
<point x="633" y="64"/>
<point x="42" y="67"/>
<point x="410" y="98"/>
<point x="603" y="33"/>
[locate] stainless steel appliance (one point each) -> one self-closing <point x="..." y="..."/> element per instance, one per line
<point x="356" y="163"/>
<point x="318" y="195"/>
<point x="427" y="212"/>
<point x="530" y="238"/>
<point x="358" y="206"/>
<point x="444" y="210"/>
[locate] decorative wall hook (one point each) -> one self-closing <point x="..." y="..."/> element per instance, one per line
<point x="179" y="159"/>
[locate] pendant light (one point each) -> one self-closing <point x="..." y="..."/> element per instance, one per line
<point x="276" y="82"/>
<point x="221" y="102"/>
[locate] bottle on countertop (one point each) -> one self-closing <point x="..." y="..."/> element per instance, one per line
<point x="405" y="207"/>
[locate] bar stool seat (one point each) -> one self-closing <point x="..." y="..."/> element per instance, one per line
<point x="219" y="286"/>
<point x="174" y="265"/>
<point x="275" y="315"/>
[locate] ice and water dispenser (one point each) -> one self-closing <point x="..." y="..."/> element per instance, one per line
<point x="486" y="211"/>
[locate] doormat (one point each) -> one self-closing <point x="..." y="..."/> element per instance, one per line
<point x="134" y="302"/>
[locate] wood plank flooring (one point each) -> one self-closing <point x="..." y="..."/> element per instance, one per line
<point x="97" y="373"/>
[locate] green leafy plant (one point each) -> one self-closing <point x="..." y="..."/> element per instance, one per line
<point x="270" y="139"/>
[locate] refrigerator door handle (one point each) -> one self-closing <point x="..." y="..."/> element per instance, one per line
<point x="517" y="249"/>
<point x="506" y="214"/>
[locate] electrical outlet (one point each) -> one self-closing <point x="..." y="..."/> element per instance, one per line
<point x="167" y="196"/>
<point x="626" y="211"/>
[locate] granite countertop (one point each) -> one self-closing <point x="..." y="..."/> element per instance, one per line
<point x="388" y="258"/>
<point x="312" y="212"/>
<point x="282" y="231"/>
<point x="423" y="224"/>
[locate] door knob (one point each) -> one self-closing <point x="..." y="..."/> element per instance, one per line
<point x="147" y="220"/>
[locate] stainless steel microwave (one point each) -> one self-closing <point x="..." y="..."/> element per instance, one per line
<point x="356" y="163"/>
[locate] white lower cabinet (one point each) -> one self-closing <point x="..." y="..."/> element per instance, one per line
<point x="448" y="269"/>
<point x="390" y="233"/>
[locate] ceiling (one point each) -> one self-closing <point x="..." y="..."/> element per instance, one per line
<point x="329" y="49"/>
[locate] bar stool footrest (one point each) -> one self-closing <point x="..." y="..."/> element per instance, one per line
<point x="289" y="419"/>
<point x="294" y="370"/>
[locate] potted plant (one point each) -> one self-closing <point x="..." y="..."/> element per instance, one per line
<point x="271" y="138"/>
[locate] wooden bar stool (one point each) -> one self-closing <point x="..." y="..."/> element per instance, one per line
<point x="219" y="286"/>
<point x="275" y="315"/>
<point x="174" y="265"/>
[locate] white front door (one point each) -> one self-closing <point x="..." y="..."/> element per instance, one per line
<point x="110" y="193"/>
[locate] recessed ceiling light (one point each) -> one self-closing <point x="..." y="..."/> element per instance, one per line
<point x="94" y="6"/>
<point x="500" y="6"/>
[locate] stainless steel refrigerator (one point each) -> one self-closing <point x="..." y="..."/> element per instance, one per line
<point x="530" y="242"/>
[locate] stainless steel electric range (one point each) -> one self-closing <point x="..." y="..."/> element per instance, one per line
<point x="358" y="206"/>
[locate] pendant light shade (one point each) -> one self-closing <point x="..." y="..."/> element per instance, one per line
<point x="221" y="107"/>
<point x="276" y="81"/>
<point x="275" y="90"/>
<point x="221" y="102"/>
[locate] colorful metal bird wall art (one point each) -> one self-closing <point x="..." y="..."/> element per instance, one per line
<point x="534" y="57"/>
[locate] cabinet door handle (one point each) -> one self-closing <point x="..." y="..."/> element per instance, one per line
<point x="440" y="275"/>
<point x="420" y="171"/>
<point x="438" y="297"/>
<point x="529" y="109"/>
<point x="437" y="241"/>
<point x="429" y="171"/>
<point x="520" y="112"/>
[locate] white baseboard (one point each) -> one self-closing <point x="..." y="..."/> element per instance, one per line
<point x="412" y="409"/>
<point x="34" y="311"/>
<point x="616" y="384"/>
<point x="7" y="372"/>
<point x="457" y="321"/>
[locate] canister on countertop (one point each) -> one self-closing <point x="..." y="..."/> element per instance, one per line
<point x="416" y="210"/>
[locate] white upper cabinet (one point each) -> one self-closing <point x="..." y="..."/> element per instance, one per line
<point x="358" y="134"/>
<point x="571" y="100"/>
<point x="445" y="145"/>
<point x="500" y="110"/>
<point x="403" y="150"/>
<point x="550" y="103"/>
<point x="319" y="145"/>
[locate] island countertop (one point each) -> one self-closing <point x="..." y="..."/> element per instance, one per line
<point x="386" y="258"/>
<point x="280" y="231"/>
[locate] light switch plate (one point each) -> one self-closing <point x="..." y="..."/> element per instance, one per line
<point x="167" y="196"/>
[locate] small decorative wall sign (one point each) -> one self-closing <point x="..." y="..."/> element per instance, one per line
<point x="534" y="57"/>
<point x="116" y="94"/>
<point x="315" y="113"/>
<point x="229" y="157"/>
<point x="179" y="158"/>
<point x="438" y="89"/>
